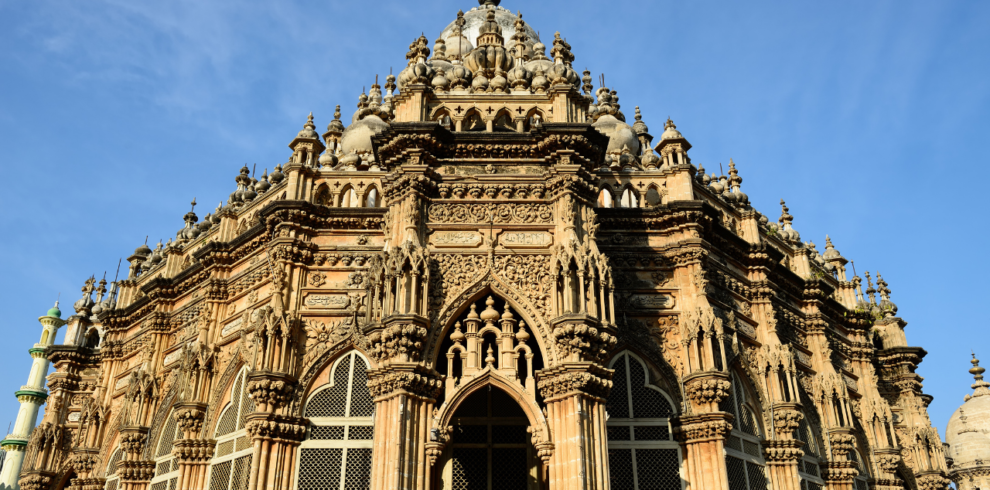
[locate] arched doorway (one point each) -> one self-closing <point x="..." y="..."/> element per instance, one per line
<point x="491" y="446"/>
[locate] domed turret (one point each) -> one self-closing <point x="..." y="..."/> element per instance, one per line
<point x="491" y="54"/>
<point x="54" y="312"/>
<point x="489" y="313"/>
<point x="968" y="432"/>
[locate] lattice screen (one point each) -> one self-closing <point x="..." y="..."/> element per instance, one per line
<point x="470" y="469"/>
<point x="642" y="455"/>
<point x="337" y="451"/>
<point x="509" y="469"/>
<point x="168" y="437"/>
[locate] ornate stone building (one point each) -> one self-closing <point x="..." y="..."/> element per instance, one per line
<point x="488" y="279"/>
<point x="968" y="435"/>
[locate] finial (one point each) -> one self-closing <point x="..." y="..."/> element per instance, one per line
<point x="980" y="386"/>
<point x="191" y="210"/>
<point x="639" y="116"/>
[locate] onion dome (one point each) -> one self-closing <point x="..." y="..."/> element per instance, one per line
<point x="357" y="137"/>
<point x="277" y="176"/>
<point x="216" y="214"/>
<point x="249" y="192"/>
<point x="700" y="175"/>
<point x="831" y="254"/>
<point x="350" y="161"/>
<point x="309" y="129"/>
<point x="620" y="135"/>
<point x="336" y="127"/>
<point x="540" y="82"/>
<point x="816" y="257"/>
<point x="522" y="335"/>
<point x="787" y="232"/>
<point x="143" y="250"/>
<point x="460" y="77"/>
<point x="205" y="225"/>
<point x="650" y="159"/>
<point x="738" y="196"/>
<point x="670" y="131"/>
<point x="440" y="81"/>
<point x="263" y="184"/>
<point x="474" y="313"/>
<point x="715" y="185"/>
<point x="54" y="312"/>
<point x="639" y="126"/>
<point x="439" y="50"/>
<point x="489" y="314"/>
<point x="499" y="82"/>
<point x="457" y="336"/>
<point x="968" y="432"/>
<point x="539" y="59"/>
<point x="507" y="313"/>
<point x="519" y="77"/>
<point x="480" y="82"/>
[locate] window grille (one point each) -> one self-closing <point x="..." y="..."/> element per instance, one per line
<point x="113" y="481"/>
<point x="232" y="459"/>
<point x="808" y="466"/>
<point x="641" y="452"/>
<point x="166" y="466"/>
<point x="470" y="469"/>
<point x="744" y="462"/>
<point x="337" y="450"/>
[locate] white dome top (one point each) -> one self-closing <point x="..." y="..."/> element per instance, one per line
<point x="620" y="134"/>
<point x="357" y="136"/>
<point x="474" y="18"/>
<point x="968" y="432"/>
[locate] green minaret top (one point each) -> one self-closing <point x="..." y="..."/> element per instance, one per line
<point x="55" y="312"/>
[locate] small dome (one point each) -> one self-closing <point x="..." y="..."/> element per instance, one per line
<point x="142" y="250"/>
<point x="54" y="312"/>
<point x="489" y="313"/>
<point x="620" y="135"/>
<point x="670" y="132"/>
<point x="309" y="130"/>
<point x="357" y="136"/>
<point x="968" y="432"/>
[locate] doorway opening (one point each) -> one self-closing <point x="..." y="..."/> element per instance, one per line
<point x="491" y="447"/>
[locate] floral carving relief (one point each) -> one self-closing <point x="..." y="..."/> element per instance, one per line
<point x="502" y="213"/>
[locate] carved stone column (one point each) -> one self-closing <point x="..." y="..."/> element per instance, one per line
<point x="702" y="438"/>
<point x="405" y="394"/>
<point x="134" y="473"/>
<point x="887" y="461"/>
<point x="276" y="441"/>
<point x="192" y="453"/>
<point x="783" y="453"/>
<point x="194" y="457"/>
<point x="575" y="394"/>
<point x="839" y="473"/>
<point x="83" y="460"/>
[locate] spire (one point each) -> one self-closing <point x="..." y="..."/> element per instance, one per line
<point x="870" y="291"/>
<point x="980" y="386"/>
<point x="787" y="232"/>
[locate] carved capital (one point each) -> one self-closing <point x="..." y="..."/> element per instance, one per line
<point x="270" y="391"/>
<point x="281" y="427"/>
<point x="707" y="389"/>
<point x="36" y="480"/>
<point x="931" y="480"/>
<point x="189" y="417"/>
<point x="585" y="378"/>
<point x="888" y="459"/>
<point x="132" y="440"/>
<point x="136" y="471"/>
<point x="787" y="419"/>
<point x="703" y="427"/>
<point x="400" y="340"/>
<point x="83" y="460"/>
<point x="399" y="378"/>
<point x="193" y="451"/>
<point x="841" y="441"/>
<point x="86" y="483"/>
<point x="782" y="451"/>
<point x="582" y="338"/>
<point x="837" y="472"/>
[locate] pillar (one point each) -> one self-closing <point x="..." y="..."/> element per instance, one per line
<point x="31" y="396"/>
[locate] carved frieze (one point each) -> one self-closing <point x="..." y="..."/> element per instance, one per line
<point x="497" y="213"/>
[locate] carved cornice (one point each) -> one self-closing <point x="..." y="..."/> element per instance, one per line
<point x="404" y="378"/>
<point x="702" y="427"/>
<point x="276" y="427"/>
<point x="194" y="451"/>
<point x="136" y="471"/>
<point x="782" y="452"/>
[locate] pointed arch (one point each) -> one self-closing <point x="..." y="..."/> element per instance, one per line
<point x="492" y="378"/>
<point x="372" y="197"/>
<point x="323" y="196"/>
<point x="489" y="284"/>
<point x="348" y="197"/>
<point x="503" y="121"/>
<point x="473" y="121"/>
<point x="535" y="118"/>
<point x="628" y="197"/>
<point x="606" y="197"/>
<point x="442" y="116"/>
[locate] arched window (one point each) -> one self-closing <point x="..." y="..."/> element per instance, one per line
<point x="93" y="338"/>
<point x="349" y="198"/>
<point x="743" y="455"/>
<point x="322" y="197"/>
<point x="473" y="122"/>
<point x="337" y="451"/>
<point x="605" y="199"/>
<point x="166" y="466"/>
<point x="113" y="479"/>
<point x="371" y="200"/>
<point x="641" y="452"/>
<point x="232" y="459"/>
<point x="504" y="123"/>
<point x="811" y="478"/>
<point x="629" y="199"/>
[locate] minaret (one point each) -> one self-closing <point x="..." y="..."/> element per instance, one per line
<point x="32" y="396"/>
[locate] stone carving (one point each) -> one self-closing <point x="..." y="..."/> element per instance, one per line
<point x="329" y="301"/>
<point x="456" y="239"/>
<point x="231" y="327"/>
<point x="500" y="213"/>
<point x="317" y="279"/>
<point x="520" y="239"/>
<point x="651" y="301"/>
<point x="173" y="357"/>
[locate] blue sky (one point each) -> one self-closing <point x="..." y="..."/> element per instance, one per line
<point x="867" y="117"/>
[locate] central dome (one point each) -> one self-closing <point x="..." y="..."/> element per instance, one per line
<point x="475" y="18"/>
